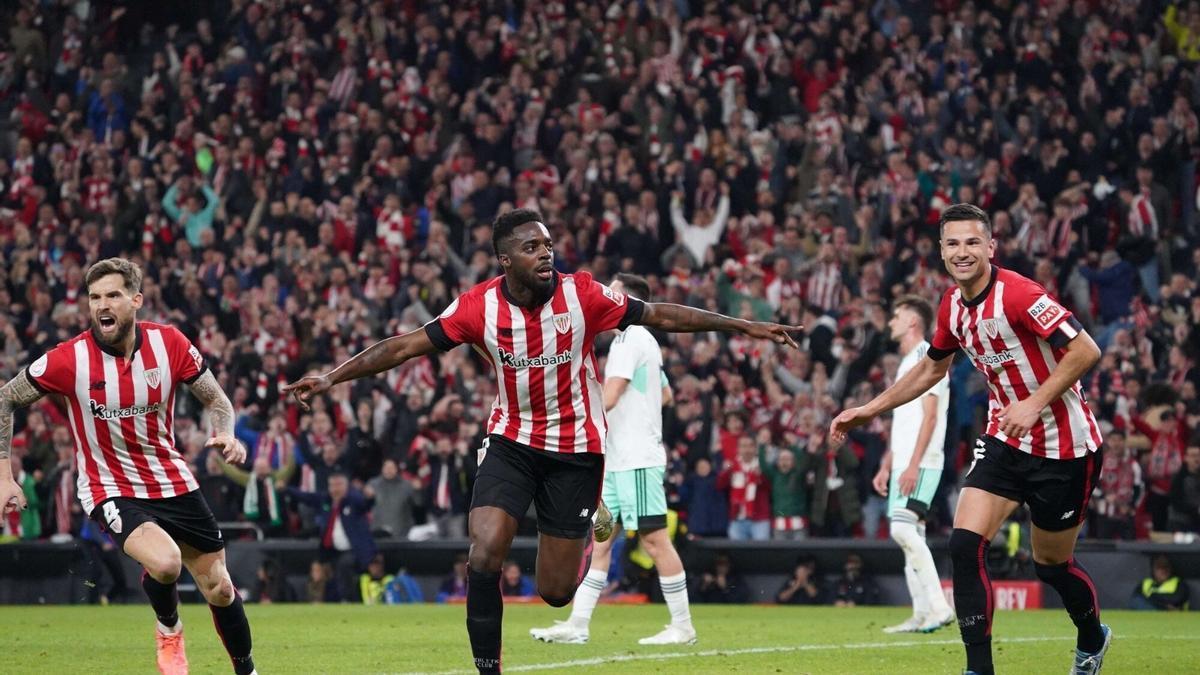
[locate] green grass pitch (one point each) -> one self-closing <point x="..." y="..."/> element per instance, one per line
<point x="432" y="639"/>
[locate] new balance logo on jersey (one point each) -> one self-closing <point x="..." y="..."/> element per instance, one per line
<point x="98" y="385"/>
<point x="510" y="360"/>
<point x="101" y="411"/>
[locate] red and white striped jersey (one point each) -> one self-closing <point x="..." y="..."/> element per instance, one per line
<point x="549" y="388"/>
<point x="1015" y="334"/>
<point x="824" y="287"/>
<point x="122" y="411"/>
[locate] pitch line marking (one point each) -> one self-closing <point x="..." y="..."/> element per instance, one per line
<point x="625" y="658"/>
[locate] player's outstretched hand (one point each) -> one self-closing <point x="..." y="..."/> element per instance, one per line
<point x="850" y="418"/>
<point x="306" y="388"/>
<point x="12" y="497"/>
<point x="231" y="448"/>
<point x="774" y="332"/>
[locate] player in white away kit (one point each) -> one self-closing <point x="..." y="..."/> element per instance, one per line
<point x="117" y="381"/>
<point x="912" y="468"/>
<point x="1042" y="443"/>
<point x="635" y="390"/>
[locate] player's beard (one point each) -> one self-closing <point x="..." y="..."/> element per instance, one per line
<point x="118" y="336"/>
<point x="542" y="290"/>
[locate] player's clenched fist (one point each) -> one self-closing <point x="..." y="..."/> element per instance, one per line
<point x="306" y="388"/>
<point x="12" y="497"/>
<point x="230" y="448"/>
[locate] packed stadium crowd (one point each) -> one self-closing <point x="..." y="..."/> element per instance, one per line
<point x="300" y="178"/>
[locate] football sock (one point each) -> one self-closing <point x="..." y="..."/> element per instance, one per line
<point x="973" y="598"/>
<point x="910" y="533"/>
<point x="674" y="590"/>
<point x="920" y="607"/>
<point x="587" y="596"/>
<point x="485" y="611"/>
<point x="1078" y="593"/>
<point x="904" y="531"/>
<point x="164" y="598"/>
<point x="234" y="631"/>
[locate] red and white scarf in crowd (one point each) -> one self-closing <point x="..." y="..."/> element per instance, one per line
<point x="1142" y="220"/>
<point x="391" y="230"/>
<point x="744" y="483"/>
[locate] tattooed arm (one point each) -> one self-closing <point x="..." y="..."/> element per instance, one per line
<point x="18" y="393"/>
<point x="220" y="412"/>
<point x="381" y="356"/>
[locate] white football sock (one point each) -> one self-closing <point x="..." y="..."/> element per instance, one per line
<point x="919" y="604"/>
<point x="171" y="630"/>
<point x="909" y="533"/>
<point x="587" y="596"/>
<point x="674" y="590"/>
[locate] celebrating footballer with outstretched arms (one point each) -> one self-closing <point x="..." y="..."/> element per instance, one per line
<point x="547" y="428"/>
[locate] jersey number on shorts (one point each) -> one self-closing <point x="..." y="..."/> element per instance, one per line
<point x="481" y="452"/>
<point x="979" y="452"/>
<point x="113" y="517"/>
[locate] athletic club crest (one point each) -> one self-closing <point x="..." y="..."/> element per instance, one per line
<point x="562" y="323"/>
<point x="991" y="327"/>
<point x="152" y="378"/>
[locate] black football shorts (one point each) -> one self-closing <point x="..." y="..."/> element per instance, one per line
<point x="185" y="518"/>
<point x="1056" y="490"/>
<point x="564" y="488"/>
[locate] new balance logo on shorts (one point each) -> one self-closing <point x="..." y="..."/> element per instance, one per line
<point x="1068" y="514"/>
<point x="583" y="513"/>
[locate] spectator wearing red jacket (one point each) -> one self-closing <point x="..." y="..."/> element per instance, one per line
<point x="749" y="494"/>
<point x="1168" y="437"/>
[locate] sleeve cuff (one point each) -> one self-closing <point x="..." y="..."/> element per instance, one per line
<point x="36" y="385"/>
<point x="937" y="353"/>
<point x="1065" y="332"/>
<point x="437" y="335"/>
<point x="634" y="309"/>
<point x="203" y="370"/>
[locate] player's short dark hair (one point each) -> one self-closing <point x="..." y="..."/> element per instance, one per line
<point x="635" y="285"/>
<point x="505" y="223"/>
<point x="130" y="272"/>
<point x="919" y="305"/>
<point x="965" y="212"/>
